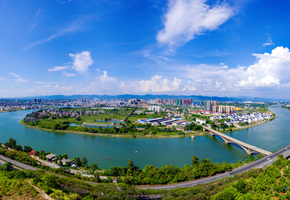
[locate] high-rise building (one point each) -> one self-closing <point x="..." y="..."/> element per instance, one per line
<point x="178" y="102"/>
<point x="215" y="108"/>
<point x="184" y="102"/>
<point x="158" y="101"/>
<point x="209" y="105"/>
<point x="171" y="101"/>
<point x="222" y="109"/>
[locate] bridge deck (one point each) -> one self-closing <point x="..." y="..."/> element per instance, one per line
<point x="262" y="151"/>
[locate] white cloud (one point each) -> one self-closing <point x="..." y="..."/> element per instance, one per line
<point x="269" y="70"/>
<point x="18" y="78"/>
<point x="81" y="61"/>
<point x="15" y="75"/>
<point x="75" y="26"/>
<point x="39" y="82"/>
<point x="22" y="80"/>
<point x="38" y="11"/>
<point x="105" y="78"/>
<point x="160" y="60"/>
<point x="2" y="78"/>
<point x="186" y="18"/>
<point x="157" y="85"/>
<point x="269" y="42"/>
<point x="64" y="74"/>
<point x="58" y="68"/>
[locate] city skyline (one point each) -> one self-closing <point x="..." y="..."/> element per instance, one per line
<point x="183" y="47"/>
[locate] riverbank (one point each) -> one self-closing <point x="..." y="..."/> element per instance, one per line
<point x="13" y="110"/>
<point x="248" y="126"/>
<point x="251" y="125"/>
<point x="116" y="135"/>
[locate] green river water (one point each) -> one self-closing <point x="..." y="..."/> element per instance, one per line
<point x="270" y="136"/>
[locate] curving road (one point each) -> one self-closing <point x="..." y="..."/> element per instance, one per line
<point x="261" y="163"/>
<point x="268" y="160"/>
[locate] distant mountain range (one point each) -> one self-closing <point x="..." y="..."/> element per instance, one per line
<point x="151" y="96"/>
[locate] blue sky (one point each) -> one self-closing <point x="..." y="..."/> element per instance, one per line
<point x="190" y="47"/>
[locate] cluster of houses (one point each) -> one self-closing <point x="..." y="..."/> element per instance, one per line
<point x="164" y="121"/>
<point x="71" y="113"/>
<point x="235" y="119"/>
<point x="46" y="113"/>
<point x="53" y="158"/>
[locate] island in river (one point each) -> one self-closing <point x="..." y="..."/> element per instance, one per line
<point x="104" y="122"/>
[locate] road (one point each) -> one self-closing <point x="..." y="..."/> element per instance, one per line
<point x="16" y="163"/>
<point x="261" y="163"/>
<point x="257" y="164"/>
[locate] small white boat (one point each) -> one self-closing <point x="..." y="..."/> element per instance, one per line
<point x="192" y="137"/>
<point x="136" y="151"/>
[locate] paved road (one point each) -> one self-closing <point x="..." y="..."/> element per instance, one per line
<point x="261" y="163"/>
<point x="16" y="163"/>
<point x="257" y="164"/>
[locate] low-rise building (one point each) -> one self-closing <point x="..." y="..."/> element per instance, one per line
<point x="201" y="121"/>
<point x="50" y="156"/>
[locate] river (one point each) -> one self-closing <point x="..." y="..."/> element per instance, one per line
<point x="270" y="136"/>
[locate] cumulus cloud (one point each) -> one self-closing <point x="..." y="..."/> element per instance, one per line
<point x="105" y="78"/>
<point x="58" y="68"/>
<point x="2" y="78"/>
<point x="81" y="61"/>
<point x="64" y="74"/>
<point x="185" y="19"/>
<point x="269" y="70"/>
<point x="157" y="84"/>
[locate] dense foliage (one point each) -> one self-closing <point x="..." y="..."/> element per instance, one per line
<point x="151" y="175"/>
<point x="272" y="183"/>
<point x="122" y="130"/>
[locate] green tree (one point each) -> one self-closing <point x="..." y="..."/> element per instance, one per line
<point x="77" y="161"/>
<point x="84" y="161"/>
<point x="194" y="160"/>
<point x="130" y="167"/>
<point x="94" y="166"/>
<point x="27" y="149"/>
<point x="259" y="156"/>
<point x="65" y="156"/>
<point x="18" y="147"/>
<point x="7" y="166"/>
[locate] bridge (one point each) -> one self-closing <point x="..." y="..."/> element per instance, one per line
<point x="250" y="149"/>
<point x="125" y="120"/>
